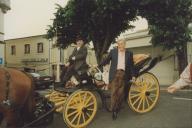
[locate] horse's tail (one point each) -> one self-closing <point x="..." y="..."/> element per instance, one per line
<point x="28" y="107"/>
<point x="30" y="100"/>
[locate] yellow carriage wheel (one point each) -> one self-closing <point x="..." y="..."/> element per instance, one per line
<point x="79" y="109"/>
<point x="144" y="94"/>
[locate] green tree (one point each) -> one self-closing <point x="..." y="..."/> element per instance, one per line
<point x="99" y="21"/>
<point x="71" y="21"/>
<point x="168" y="24"/>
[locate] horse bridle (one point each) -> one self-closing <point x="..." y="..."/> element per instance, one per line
<point x="7" y="101"/>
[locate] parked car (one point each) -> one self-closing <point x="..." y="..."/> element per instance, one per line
<point x="42" y="81"/>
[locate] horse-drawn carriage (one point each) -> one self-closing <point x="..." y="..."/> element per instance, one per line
<point x="79" y="104"/>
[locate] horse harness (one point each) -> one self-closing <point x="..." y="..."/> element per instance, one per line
<point x="7" y="101"/>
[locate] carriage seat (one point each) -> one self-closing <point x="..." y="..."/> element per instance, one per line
<point x="138" y="58"/>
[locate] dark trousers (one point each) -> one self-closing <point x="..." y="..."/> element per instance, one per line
<point x="68" y="74"/>
<point x="126" y="89"/>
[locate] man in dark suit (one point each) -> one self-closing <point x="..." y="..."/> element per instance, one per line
<point x="77" y="62"/>
<point x="120" y="58"/>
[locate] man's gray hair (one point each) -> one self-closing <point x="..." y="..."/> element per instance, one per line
<point x="121" y="41"/>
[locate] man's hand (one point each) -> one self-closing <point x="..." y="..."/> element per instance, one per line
<point x="133" y="79"/>
<point x="73" y="58"/>
<point x="95" y="66"/>
<point x="67" y="64"/>
<point x="172" y="89"/>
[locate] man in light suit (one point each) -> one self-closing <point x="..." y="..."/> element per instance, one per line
<point x="77" y="62"/>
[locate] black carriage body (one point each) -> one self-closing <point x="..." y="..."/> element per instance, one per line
<point x="145" y="65"/>
<point x="87" y="87"/>
<point x="43" y="114"/>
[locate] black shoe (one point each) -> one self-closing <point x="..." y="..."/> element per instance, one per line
<point x="114" y="115"/>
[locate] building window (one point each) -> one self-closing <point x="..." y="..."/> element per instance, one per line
<point x="40" y="47"/>
<point x="13" y="50"/>
<point x="27" y="48"/>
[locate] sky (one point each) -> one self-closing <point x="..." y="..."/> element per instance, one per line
<point x="31" y="17"/>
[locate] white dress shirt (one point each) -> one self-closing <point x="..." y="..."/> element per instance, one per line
<point x="78" y="48"/>
<point x="121" y="60"/>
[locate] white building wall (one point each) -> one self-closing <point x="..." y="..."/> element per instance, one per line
<point x="2" y="56"/>
<point x="38" y="61"/>
<point x="4" y="7"/>
<point x="1" y="25"/>
<point x="138" y="42"/>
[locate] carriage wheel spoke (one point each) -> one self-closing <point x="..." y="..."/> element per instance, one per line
<point x="150" y="99"/>
<point x="73" y="102"/>
<point x="79" y="98"/>
<point x="75" y="117"/>
<point x="136" y="100"/>
<point x="143" y="103"/>
<point x="135" y="95"/>
<point x="149" y="86"/>
<point x="90" y="109"/>
<point x="152" y="95"/>
<point x="72" y="113"/>
<point x="88" y="100"/>
<point x="79" y="118"/>
<point x="83" y="115"/>
<point x="89" y="104"/>
<point x="147" y="101"/>
<point x="73" y="107"/>
<point x="84" y="99"/>
<point x="140" y="101"/>
<point x="88" y="114"/>
<point x="136" y="89"/>
<point x="152" y="89"/>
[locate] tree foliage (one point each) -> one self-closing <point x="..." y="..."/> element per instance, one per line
<point x="101" y="21"/>
<point x="71" y="21"/>
<point x="168" y="24"/>
<point x="168" y="21"/>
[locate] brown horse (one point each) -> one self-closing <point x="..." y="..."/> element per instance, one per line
<point x="16" y="97"/>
